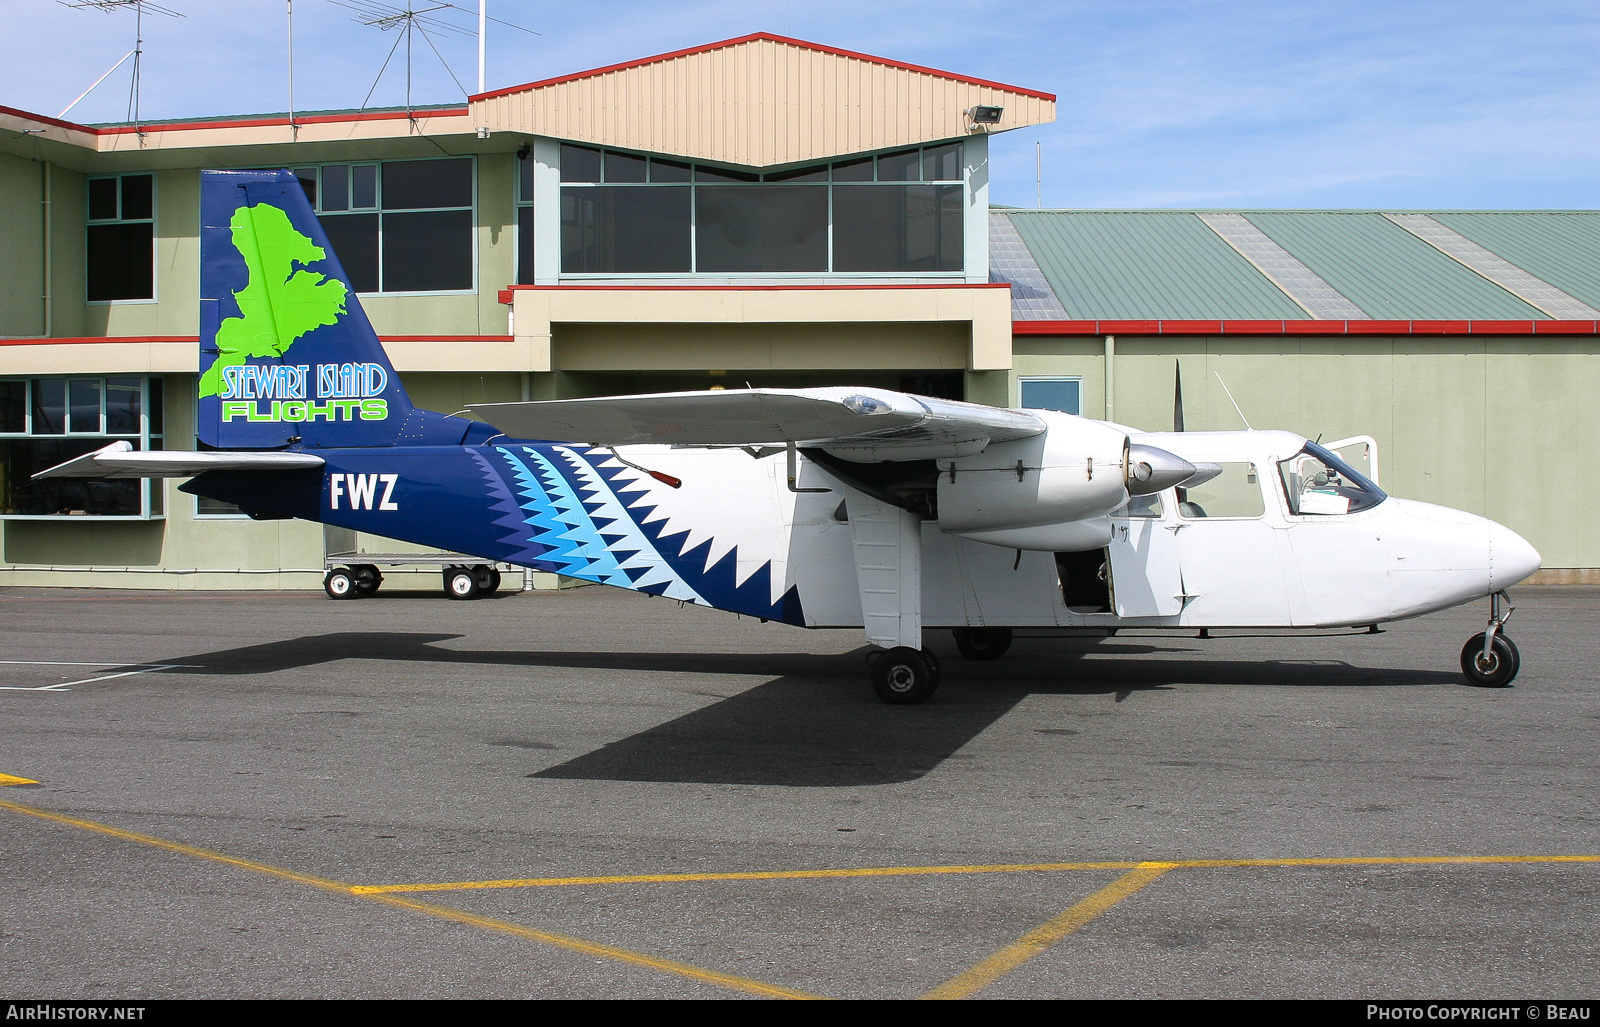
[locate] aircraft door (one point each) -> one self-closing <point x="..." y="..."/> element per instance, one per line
<point x="1230" y="556"/>
<point x="1144" y="558"/>
<point x="1342" y="558"/>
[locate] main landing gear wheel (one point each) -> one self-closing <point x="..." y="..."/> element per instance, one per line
<point x="368" y="579"/>
<point x="340" y="584"/>
<point x="461" y="583"/>
<point x="904" y="675"/>
<point x="488" y="580"/>
<point x="1497" y="668"/>
<point x="983" y="643"/>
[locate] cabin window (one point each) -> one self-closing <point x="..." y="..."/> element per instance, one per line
<point x="401" y="226"/>
<point x="1236" y="492"/>
<point x="120" y="242"/>
<point x="1318" y="483"/>
<point x="48" y="421"/>
<point x="895" y="213"/>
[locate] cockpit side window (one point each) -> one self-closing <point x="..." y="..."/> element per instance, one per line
<point x="1236" y="492"/>
<point x="1319" y="484"/>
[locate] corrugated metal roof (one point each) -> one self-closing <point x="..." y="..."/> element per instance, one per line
<point x="1508" y="276"/>
<point x="1298" y="282"/>
<point x="1010" y="262"/>
<point x="1385" y="270"/>
<point x="1113" y="265"/>
<point x="1146" y="264"/>
<point x="1561" y="247"/>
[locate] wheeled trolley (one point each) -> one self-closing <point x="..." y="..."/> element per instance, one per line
<point x="356" y="575"/>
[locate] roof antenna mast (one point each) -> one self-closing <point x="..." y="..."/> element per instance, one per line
<point x="422" y="21"/>
<point x="139" y="7"/>
<point x="294" y="130"/>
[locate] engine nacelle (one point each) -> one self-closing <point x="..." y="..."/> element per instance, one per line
<point x="1073" y="472"/>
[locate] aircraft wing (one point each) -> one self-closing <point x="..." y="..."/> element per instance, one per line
<point x="876" y="423"/>
<point x="120" y="460"/>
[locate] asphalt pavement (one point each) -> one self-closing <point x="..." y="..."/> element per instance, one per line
<point x="593" y="793"/>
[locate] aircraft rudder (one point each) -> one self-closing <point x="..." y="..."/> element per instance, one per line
<point x="286" y="352"/>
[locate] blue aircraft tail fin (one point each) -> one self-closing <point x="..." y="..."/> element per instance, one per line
<point x="286" y="352"/>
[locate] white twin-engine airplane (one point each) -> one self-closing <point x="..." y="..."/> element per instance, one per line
<point x="822" y="507"/>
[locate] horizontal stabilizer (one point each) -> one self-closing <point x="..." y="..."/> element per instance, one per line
<point x="888" y="425"/>
<point x="119" y="460"/>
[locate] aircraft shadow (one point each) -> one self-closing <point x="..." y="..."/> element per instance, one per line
<point x="817" y="723"/>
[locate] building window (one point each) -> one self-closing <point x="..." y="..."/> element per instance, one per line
<point x="524" y="221"/>
<point x="120" y="254"/>
<point x="398" y="226"/>
<point x="1051" y="392"/>
<point x="47" y="421"/>
<point x="892" y="213"/>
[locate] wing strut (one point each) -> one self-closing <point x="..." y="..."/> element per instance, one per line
<point x="888" y="552"/>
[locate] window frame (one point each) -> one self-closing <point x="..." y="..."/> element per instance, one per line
<point x="151" y="503"/>
<point x="380" y="210"/>
<point x="763" y="178"/>
<point x="1023" y="379"/>
<point x="152" y="220"/>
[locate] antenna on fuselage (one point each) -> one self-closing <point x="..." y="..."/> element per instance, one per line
<point x="1232" y="400"/>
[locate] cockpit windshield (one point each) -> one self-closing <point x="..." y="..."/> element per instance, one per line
<point x="1318" y="483"/>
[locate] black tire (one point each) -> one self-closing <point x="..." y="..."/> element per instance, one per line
<point x="983" y="643"/>
<point x="368" y="579"/>
<point x="340" y="584"/>
<point x="460" y="583"/>
<point x="904" y="675"/>
<point x="488" y="580"/>
<point x="1498" y="670"/>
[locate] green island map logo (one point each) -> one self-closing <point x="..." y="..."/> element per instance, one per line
<point x="283" y="299"/>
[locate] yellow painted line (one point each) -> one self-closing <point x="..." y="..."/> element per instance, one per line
<point x="7" y="779"/>
<point x="738" y="875"/>
<point x="999" y="868"/>
<point x="442" y="912"/>
<point x="592" y="949"/>
<point x="1047" y="934"/>
<point x="178" y="847"/>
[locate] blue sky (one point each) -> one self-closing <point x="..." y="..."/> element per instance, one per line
<point x="1206" y="103"/>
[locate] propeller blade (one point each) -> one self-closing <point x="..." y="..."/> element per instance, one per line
<point x="1177" y="395"/>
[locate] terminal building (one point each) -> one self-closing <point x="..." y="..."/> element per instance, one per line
<point x="770" y="212"/>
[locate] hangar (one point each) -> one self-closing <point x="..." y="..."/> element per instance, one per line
<point x="769" y="211"/>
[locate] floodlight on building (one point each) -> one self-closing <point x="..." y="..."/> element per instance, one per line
<point x="985" y="115"/>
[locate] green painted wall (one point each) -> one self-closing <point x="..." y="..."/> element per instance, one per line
<point x="22" y="240"/>
<point x="175" y="310"/>
<point x="1499" y="426"/>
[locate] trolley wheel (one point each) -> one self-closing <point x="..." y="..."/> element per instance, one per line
<point x="488" y="579"/>
<point x="983" y="643"/>
<point x="368" y="579"/>
<point x="340" y="584"/>
<point x="904" y="675"/>
<point x="1497" y="669"/>
<point x="460" y="583"/>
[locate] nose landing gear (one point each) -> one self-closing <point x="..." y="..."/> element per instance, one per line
<point x="1490" y="659"/>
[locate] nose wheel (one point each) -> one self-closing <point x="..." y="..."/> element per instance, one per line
<point x="1490" y="659"/>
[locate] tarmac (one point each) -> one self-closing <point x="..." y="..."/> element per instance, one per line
<point x="598" y="794"/>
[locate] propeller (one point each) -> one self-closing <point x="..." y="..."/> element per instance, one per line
<point x="1177" y="395"/>
<point x="1150" y="470"/>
